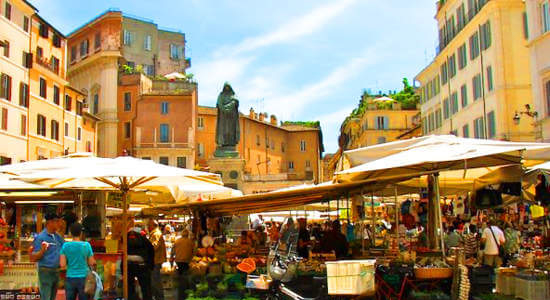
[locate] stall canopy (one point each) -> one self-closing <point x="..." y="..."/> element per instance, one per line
<point x="420" y="156"/>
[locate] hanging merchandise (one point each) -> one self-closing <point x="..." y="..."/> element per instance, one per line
<point x="537" y="211"/>
<point x="459" y="209"/>
<point x="542" y="190"/>
<point x="510" y="188"/>
<point x="487" y="197"/>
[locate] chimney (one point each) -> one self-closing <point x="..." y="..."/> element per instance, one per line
<point x="251" y="114"/>
<point x="262" y="116"/>
<point x="273" y="120"/>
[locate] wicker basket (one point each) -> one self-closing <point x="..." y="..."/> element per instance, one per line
<point x="433" y="273"/>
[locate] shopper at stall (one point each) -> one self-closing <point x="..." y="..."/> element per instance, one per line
<point x="157" y="240"/>
<point x="46" y="249"/>
<point x="512" y="244"/>
<point x="304" y="239"/>
<point x="141" y="259"/>
<point x="334" y="240"/>
<point x="76" y="257"/>
<point x="471" y="242"/>
<point x="182" y="253"/>
<point x="452" y="239"/>
<point x="492" y="237"/>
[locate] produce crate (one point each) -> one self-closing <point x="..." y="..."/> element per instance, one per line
<point x="350" y="277"/>
<point x="433" y="273"/>
<point x="532" y="289"/>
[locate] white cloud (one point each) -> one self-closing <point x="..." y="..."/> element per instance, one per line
<point x="297" y="27"/>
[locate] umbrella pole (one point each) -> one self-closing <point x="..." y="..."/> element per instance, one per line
<point x="125" y="243"/>
<point x="373" y="219"/>
<point x="439" y="214"/>
<point x="396" y="217"/>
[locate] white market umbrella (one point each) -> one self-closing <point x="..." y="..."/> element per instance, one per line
<point x="383" y="99"/>
<point x="123" y="174"/>
<point x="175" y="75"/>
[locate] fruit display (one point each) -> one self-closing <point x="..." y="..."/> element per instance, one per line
<point x="313" y="267"/>
<point x="6" y="250"/>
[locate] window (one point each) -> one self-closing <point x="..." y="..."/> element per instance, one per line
<point x="474" y="46"/>
<point x="200" y="149"/>
<point x="5" y="87"/>
<point x="174" y="51"/>
<point x="54" y="64"/>
<point x="23" y="125"/>
<point x="96" y="104"/>
<point x="479" y="128"/>
<point x="464" y="95"/>
<point x="444" y="73"/>
<point x="146" y="158"/>
<point x="147" y="44"/>
<point x="446" y="108"/>
<point x="181" y="162"/>
<point x="68" y="102"/>
<point x="466" y="131"/>
<point x="525" y="26"/>
<point x="84" y="48"/>
<point x="381" y="123"/>
<point x="7" y="10"/>
<point x="56" y="94"/>
<point x="303" y="146"/>
<point x="163" y="160"/>
<point x="54" y="130"/>
<point x="6" y="49"/>
<point x="438" y="121"/>
<point x="127" y="130"/>
<point x="41" y="125"/>
<point x="24" y="94"/>
<point x="43" y="30"/>
<point x="43" y="87"/>
<point x="26" y="23"/>
<point x="462" y="56"/>
<point x="39" y="53"/>
<point x="79" y="134"/>
<point x="452" y="66"/>
<point x="200" y="123"/>
<point x="486" y="36"/>
<point x="381" y="140"/>
<point x="164" y="108"/>
<point x="283" y="145"/>
<point x="73" y="53"/>
<point x="476" y="86"/>
<point x="27" y="60"/>
<point x="491" y="125"/>
<point x="79" y="108"/>
<point x="4" y="118"/>
<point x="97" y="41"/>
<point x="56" y="40"/>
<point x="454" y="103"/>
<point x="66" y="131"/>
<point x="272" y="145"/>
<point x="164" y="133"/>
<point x="127" y="101"/>
<point x="290" y="165"/>
<point x="258" y="139"/>
<point x="489" y="78"/>
<point x="88" y="146"/>
<point x="545" y="11"/>
<point x="149" y="70"/>
<point x="127" y="37"/>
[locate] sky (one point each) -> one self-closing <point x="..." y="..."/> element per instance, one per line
<point x="304" y="60"/>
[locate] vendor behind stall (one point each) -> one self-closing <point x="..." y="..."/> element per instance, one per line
<point x="334" y="240"/>
<point x="46" y="250"/>
<point x="304" y="239"/>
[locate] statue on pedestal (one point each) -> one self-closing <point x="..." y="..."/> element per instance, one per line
<point x="227" y="126"/>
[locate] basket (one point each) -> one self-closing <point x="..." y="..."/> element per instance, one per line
<point x="433" y="273"/>
<point x="350" y="277"/>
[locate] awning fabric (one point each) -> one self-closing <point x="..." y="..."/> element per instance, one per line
<point x="419" y="156"/>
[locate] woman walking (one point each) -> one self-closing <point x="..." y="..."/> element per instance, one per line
<point x="77" y="257"/>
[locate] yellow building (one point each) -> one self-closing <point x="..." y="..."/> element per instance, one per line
<point x="538" y="13"/>
<point x="480" y="77"/>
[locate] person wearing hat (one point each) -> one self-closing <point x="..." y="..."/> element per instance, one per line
<point x="46" y="249"/>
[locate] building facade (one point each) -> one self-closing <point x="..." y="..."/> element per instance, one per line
<point x="157" y="120"/>
<point x="480" y="77"/>
<point x="42" y="115"/>
<point x="275" y="155"/>
<point x="109" y="45"/>
<point x="538" y="15"/>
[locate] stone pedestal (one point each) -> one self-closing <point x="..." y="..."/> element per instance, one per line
<point x="230" y="169"/>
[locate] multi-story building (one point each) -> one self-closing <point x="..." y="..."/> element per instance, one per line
<point x="538" y="15"/>
<point x="99" y="49"/>
<point x="275" y="155"/>
<point x="157" y="119"/>
<point x="42" y="116"/>
<point x="480" y="76"/>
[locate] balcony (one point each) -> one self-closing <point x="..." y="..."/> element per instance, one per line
<point x="172" y="87"/>
<point x="52" y="65"/>
<point x="446" y="35"/>
<point x="161" y="145"/>
<point x="167" y="142"/>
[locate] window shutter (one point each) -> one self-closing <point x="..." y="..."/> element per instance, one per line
<point x="386" y="122"/>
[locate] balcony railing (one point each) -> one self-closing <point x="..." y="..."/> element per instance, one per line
<point x="48" y="64"/>
<point x="163" y="145"/>
<point x="446" y="35"/>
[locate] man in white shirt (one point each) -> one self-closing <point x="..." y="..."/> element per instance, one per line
<point x="492" y="241"/>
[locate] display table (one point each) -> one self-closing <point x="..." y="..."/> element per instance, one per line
<point x="19" y="276"/>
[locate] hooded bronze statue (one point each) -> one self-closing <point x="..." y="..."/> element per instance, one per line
<point x="227" y="126"/>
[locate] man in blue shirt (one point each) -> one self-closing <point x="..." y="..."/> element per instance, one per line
<point x="46" y="251"/>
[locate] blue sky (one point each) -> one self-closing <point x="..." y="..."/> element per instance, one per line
<point x="299" y="60"/>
